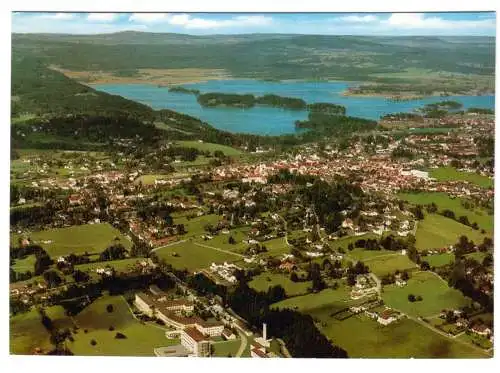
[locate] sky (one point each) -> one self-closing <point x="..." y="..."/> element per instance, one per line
<point x="443" y="24"/>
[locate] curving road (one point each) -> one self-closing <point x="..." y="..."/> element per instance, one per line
<point x="243" y="345"/>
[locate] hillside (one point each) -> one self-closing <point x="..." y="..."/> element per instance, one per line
<point x="267" y="56"/>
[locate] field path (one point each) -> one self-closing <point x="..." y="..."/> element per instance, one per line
<point x="380" y="256"/>
<point x="436" y="275"/>
<point x="170" y="244"/>
<point x="217" y="249"/>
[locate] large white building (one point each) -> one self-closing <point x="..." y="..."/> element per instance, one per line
<point x="196" y="342"/>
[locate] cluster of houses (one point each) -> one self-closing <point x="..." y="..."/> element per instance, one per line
<point x="462" y="322"/>
<point x="226" y="271"/>
<point x="363" y="287"/>
<point x="385" y="317"/>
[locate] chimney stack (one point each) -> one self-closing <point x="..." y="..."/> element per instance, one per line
<point x="264" y="331"/>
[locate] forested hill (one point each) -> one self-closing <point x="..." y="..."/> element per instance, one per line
<point x="39" y="90"/>
<point x="279" y="56"/>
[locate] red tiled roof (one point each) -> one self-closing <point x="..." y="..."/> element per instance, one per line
<point x="259" y="353"/>
<point x="195" y="334"/>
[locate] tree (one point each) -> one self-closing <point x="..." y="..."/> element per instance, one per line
<point x="294" y="277"/>
<point x="425" y="266"/>
<point x="109" y="308"/>
<point x="351" y="279"/>
<point x="411" y="298"/>
<point x="231" y="240"/>
<point x="52" y="278"/>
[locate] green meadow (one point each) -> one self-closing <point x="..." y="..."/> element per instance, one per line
<point x="436" y="231"/>
<point x="452" y="174"/>
<point x="265" y="280"/>
<point x="444" y="201"/>
<point x="435" y="292"/>
<point x="78" y="239"/>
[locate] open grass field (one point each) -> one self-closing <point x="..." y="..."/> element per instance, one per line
<point x="24" y="265"/>
<point x="345" y="241"/>
<point x="196" y="226"/>
<point x="389" y="264"/>
<point x="439" y="260"/>
<point x="444" y="201"/>
<point x="141" y="339"/>
<point x="452" y="174"/>
<point x="265" y="280"/>
<point x="436" y="231"/>
<point x="436" y="294"/>
<point x="478" y="255"/>
<point x="362" y="337"/>
<point x="329" y="300"/>
<point x="363" y="255"/>
<point x="276" y="246"/>
<point x="221" y="240"/>
<point x="27" y="333"/>
<point x="227" y="348"/>
<point x="207" y="146"/>
<point x="477" y="340"/>
<point x="77" y="239"/>
<point x="193" y="257"/>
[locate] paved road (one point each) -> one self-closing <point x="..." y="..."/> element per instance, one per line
<point x="243" y="345"/>
<point x="378" y="282"/>
<point x="217" y="249"/>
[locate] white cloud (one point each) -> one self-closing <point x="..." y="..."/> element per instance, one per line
<point x="102" y="17"/>
<point x="148" y="17"/>
<point x="420" y="21"/>
<point x="359" y="19"/>
<point x="190" y="22"/>
<point x="58" y="16"/>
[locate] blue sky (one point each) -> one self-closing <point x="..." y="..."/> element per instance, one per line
<point x="239" y="23"/>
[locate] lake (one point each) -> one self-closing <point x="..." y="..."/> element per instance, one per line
<point x="263" y="120"/>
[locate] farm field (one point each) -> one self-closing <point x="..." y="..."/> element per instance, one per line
<point x="385" y="265"/>
<point x="141" y="339"/>
<point x="452" y="174"/>
<point x="439" y="260"/>
<point x="93" y="238"/>
<point x="223" y="349"/>
<point x="444" y="201"/>
<point x="362" y="337"/>
<point x="436" y="294"/>
<point x="328" y="299"/>
<point x="436" y="231"/>
<point x="27" y="333"/>
<point x="207" y="146"/>
<point x="193" y="257"/>
<point x="265" y="280"/>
